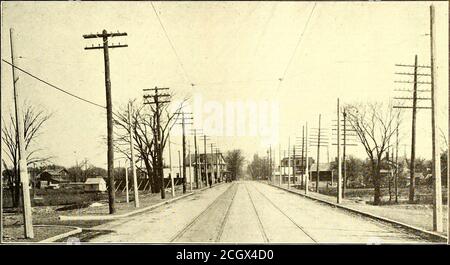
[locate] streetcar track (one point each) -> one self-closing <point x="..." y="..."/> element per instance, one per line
<point x="261" y="227"/>
<point x="281" y="211"/>
<point x="189" y="225"/>
<point x="225" y="219"/>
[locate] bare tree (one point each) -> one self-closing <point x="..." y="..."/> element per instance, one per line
<point x="34" y="118"/>
<point x="235" y="160"/>
<point x="375" y="124"/>
<point x="143" y="124"/>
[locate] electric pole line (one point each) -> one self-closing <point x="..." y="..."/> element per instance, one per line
<point x="183" y="124"/>
<point x="289" y="162"/>
<point x="206" y="162"/>
<point x="132" y="161"/>
<point x="20" y="138"/>
<point x="179" y="163"/>
<point x="302" y="163"/>
<point x="105" y="36"/>
<point x="212" y="166"/>
<point x="293" y="164"/>
<point x="196" y="163"/>
<point x="306" y="162"/>
<point x="281" y="161"/>
<point x="270" y="162"/>
<point x="158" y="101"/>
<point x="339" y="173"/>
<point x="172" y="182"/>
<point x="437" y="198"/>
<point x="190" y="168"/>
<point x="396" y="158"/>
<point x="319" y="144"/>
<point x="347" y="134"/>
<point x="412" y="165"/>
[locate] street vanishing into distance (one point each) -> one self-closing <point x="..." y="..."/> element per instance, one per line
<point x="251" y="212"/>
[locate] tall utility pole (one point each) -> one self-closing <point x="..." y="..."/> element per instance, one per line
<point x="396" y="159"/>
<point x="133" y="168"/>
<point x="127" y="196"/>
<point x="20" y="134"/>
<point x="158" y="100"/>
<point x="307" y="160"/>
<point x="183" y="124"/>
<point x="206" y="162"/>
<point x="302" y="161"/>
<point x="270" y="162"/>
<point x="339" y="165"/>
<point x="436" y="170"/>
<point x="293" y="163"/>
<point x="212" y="166"/>
<point x="289" y="163"/>
<point x="281" y="161"/>
<point x="415" y="98"/>
<point x="190" y="166"/>
<point x="105" y="35"/>
<point x="172" y="182"/>
<point x="318" y="156"/>
<point x="196" y="163"/>
<point x="347" y="135"/>
<point x="179" y="162"/>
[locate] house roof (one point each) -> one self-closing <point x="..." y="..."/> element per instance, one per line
<point x="322" y="167"/>
<point x="53" y="172"/>
<point x="210" y="157"/>
<point x="94" y="181"/>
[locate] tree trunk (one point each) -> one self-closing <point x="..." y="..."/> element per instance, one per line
<point x="376" y="183"/>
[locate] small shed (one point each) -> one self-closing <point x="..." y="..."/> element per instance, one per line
<point x="95" y="185"/>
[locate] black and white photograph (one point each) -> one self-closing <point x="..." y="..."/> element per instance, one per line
<point x="225" y="123"/>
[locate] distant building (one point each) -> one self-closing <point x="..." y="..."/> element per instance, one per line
<point x="325" y="172"/>
<point x="52" y="178"/>
<point x="97" y="184"/>
<point x="215" y="165"/>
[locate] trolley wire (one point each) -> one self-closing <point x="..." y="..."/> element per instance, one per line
<point x="54" y="86"/>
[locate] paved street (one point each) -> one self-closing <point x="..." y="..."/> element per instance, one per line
<point x="251" y="212"/>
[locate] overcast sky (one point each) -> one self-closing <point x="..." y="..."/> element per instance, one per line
<point x="232" y="52"/>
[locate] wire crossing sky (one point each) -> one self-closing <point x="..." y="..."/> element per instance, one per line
<point x="233" y="52"/>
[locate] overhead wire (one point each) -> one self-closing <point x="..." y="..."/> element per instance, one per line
<point x="54" y="86"/>
<point x="172" y="45"/>
<point x="296" y="46"/>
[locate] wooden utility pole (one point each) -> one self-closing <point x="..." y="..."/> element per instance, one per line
<point x="436" y="170"/>
<point x="105" y="35"/>
<point x="281" y="162"/>
<point x="183" y="125"/>
<point x="339" y="165"/>
<point x="414" y="107"/>
<point x="212" y="166"/>
<point x="172" y="182"/>
<point x="302" y="161"/>
<point x="344" y="153"/>
<point x="307" y="160"/>
<point x="179" y="163"/>
<point x="412" y="169"/>
<point x="190" y="166"/>
<point x="132" y="161"/>
<point x="396" y="159"/>
<point x="289" y="162"/>
<point x="158" y="100"/>
<point x="206" y="162"/>
<point x="197" y="172"/>
<point x="318" y="156"/>
<point x="20" y="134"/>
<point x="270" y="162"/>
<point x="127" y="196"/>
<point x="293" y="163"/>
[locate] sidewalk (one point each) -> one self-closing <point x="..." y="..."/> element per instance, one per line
<point x="417" y="215"/>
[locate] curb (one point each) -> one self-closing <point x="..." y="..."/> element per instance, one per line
<point x="75" y="230"/>
<point x="432" y="235"/>
<point x="113" y="217"/>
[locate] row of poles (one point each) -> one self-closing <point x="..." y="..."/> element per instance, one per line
<point x="318" y="136"/>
